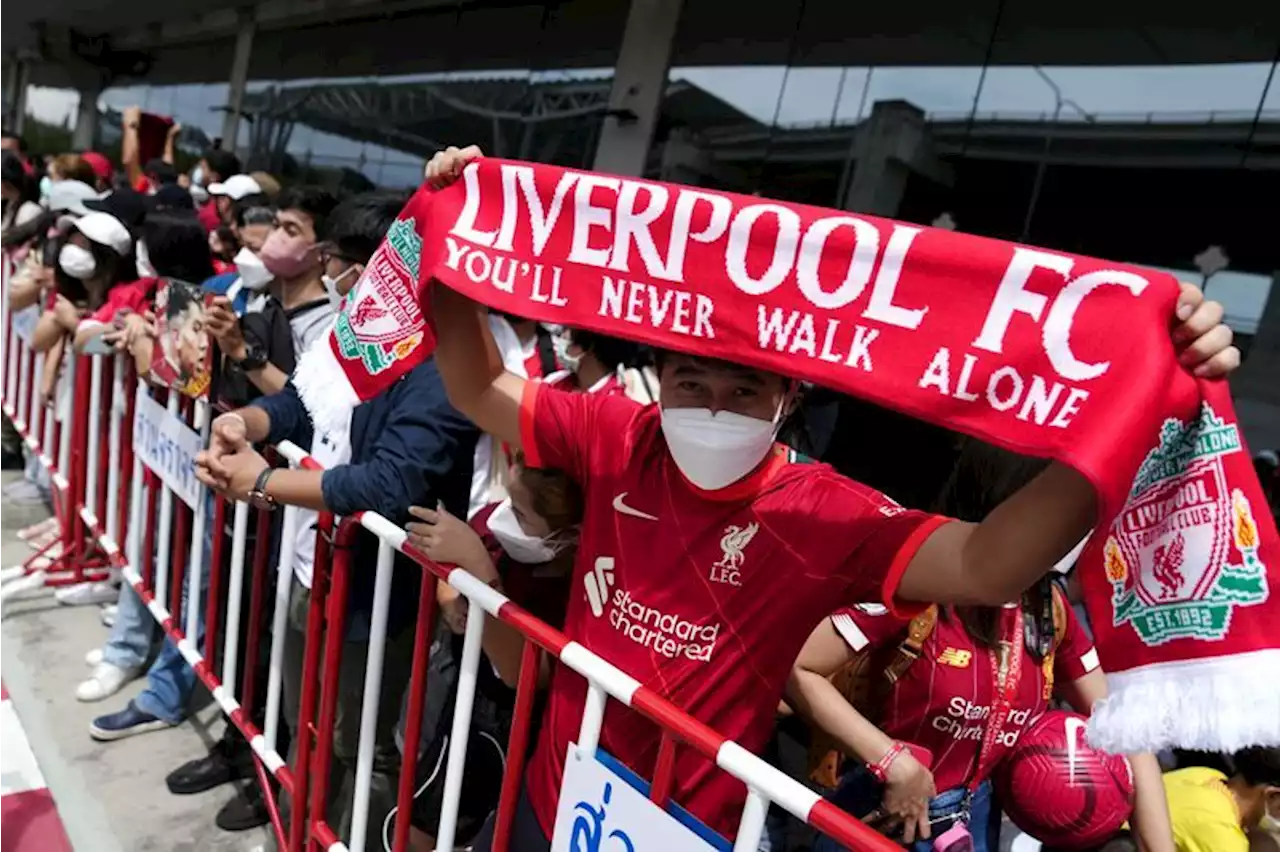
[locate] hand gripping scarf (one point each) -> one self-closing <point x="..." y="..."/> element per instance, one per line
<point x="1041" y="352"/>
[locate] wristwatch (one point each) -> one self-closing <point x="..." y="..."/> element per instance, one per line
<point x="255" y="358"/>
<point x="259" y="497"/>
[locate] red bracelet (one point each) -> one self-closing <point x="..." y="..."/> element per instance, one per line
<point x="880" y="769"/>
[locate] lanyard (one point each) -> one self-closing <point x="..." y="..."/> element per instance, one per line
<point x="1006" y="674"/>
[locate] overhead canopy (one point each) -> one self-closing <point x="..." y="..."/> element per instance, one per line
<point x="173" y="41"/>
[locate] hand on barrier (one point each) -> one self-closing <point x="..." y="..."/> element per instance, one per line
<point x="450" y="541"/>
<point x="227" y="437"/>
<point x="446" y="166"/>
<point x="221" y="321"/>
<point x="232" y="474"/>
<point x="66" y="313"/>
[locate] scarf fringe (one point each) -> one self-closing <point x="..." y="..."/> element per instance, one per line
<point x="323" y="387"/>
<point x="1221" y="704"/>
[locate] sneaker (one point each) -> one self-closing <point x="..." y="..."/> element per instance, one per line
<point x="93" y="659"/>
<point x="86" y="594"/>
<point x="30" y="586"/>
<point x="127" y="723"/>
<point x="219" y="766"/>
<point x="108" y="615"/>
<point x="106" y="680"/>
<point x="13" y="572"/>
<point x="247" y="810"/>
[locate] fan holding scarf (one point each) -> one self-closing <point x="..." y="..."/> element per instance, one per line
<point x="1012" y="344"/>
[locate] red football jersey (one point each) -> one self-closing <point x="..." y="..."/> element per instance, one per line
<point x="943" y="699"/>
<point x="706" y="597"/>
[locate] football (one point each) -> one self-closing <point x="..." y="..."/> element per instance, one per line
<point x="1059" y="789"/>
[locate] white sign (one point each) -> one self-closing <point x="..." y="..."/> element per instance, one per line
<point x="168" y="447"/>
<point x="601" y="811"/>
<point x="24" y="322"/>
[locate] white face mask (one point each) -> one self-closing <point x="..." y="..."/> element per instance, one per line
<point x="519" y="545"/>
<point x="716" y="450"/>
<point x="197" y="176"/>
<point x="253" y="273"/>
<point x="77" y="261"/>
<point x="331" y="287"/>
<point x="560" y="344"/>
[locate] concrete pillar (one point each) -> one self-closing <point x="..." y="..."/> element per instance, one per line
<point x="239" y="77"/>
<point x="17" y="77"/>
<point x="892" y="143"/>
<point x="86" y="131"/>
<point x="639" y="84"/>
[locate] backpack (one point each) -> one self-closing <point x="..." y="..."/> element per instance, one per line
<point x="865" y="688"/>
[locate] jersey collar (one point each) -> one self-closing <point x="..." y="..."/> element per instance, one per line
<point x="750" y="485"/>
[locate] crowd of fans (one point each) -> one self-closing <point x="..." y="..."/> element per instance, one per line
<point x="524" y="454"/>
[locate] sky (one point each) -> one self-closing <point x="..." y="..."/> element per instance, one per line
<point x="806" y="96"/>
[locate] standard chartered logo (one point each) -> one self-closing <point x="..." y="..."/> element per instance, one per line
<point x="668" y="634"/>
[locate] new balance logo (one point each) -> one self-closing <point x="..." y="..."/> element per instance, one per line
<point x="957" y="658"/>
<point x="622" y="508"/>
<point x="599" y="581"/>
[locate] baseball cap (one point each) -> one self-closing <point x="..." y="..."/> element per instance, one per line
<point x="105" y="229"/>
<point x="127" y="205"/>
<point x="99" y="163"/>
<point x="170" y="196"/>
<point x="236" y="186"/>
<point x="69" y="196"/>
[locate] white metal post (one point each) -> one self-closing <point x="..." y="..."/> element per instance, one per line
<point x="372" y="695"/>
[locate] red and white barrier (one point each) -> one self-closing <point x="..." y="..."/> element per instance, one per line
<point x="119" y="507"/>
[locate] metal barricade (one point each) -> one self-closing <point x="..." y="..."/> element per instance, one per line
<point x="119" y="512"/>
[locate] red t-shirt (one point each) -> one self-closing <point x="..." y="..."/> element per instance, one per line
<point x="568" y="381"/>
<point x="943" y="699"/>
<point x="706" y="597"/>
<point x="208" y="215"/>
<point x="133" y="297"/>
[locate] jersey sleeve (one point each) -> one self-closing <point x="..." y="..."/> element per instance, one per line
<point x="867" y="625"/>
<point x="1075" y="656"/>
<point x="879" y="559"/>
<point x="578" y="433"/>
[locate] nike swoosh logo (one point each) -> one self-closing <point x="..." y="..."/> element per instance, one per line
<point x="621" y="507"/>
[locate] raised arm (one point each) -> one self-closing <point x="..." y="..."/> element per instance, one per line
<point x="466" y="354"/>
<point x="994" y="561"/>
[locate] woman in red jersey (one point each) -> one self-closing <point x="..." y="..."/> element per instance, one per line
<point x="934" y="682"/>
<point x="708" y="551"/>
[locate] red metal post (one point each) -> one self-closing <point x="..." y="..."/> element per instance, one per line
<point x="418" y="686"/>
<point x="664" y="770"/>
<point x="517" y="744"/>
<point x="215" y="568"/>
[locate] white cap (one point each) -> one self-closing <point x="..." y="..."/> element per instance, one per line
<point x="69" y="196"/>
<point x="236" y="186"/>
<point x="105" y="229"/>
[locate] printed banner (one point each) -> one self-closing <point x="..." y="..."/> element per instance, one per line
<point x="167" y="446"/>
<point x="605" y="808"/>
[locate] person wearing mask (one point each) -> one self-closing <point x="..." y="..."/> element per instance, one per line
<point x="253" y="218"/>
<point x="225" y="194"/>
<point x="95" y="258"/>
<point x="294" y="257"/>
<point x="664" y="491"/>
<point x="21" y="197"/>
<point x="922" y="668"/>
<point x="592" y="362"/>
<point x="406" y="447"/>
<point x="1233" y="811"/>
<point x="528" y="542"/>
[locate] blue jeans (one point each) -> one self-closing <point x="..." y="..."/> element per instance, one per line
<point x="859" y="794"/>
<point x="170" y="681"/>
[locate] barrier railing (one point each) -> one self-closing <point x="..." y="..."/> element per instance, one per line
<point x="175" y="537"/>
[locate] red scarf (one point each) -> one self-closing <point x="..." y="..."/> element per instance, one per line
<point x="1042" y="352"/>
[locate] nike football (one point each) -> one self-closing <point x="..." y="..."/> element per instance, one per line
<point x="1059" y="789"/>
